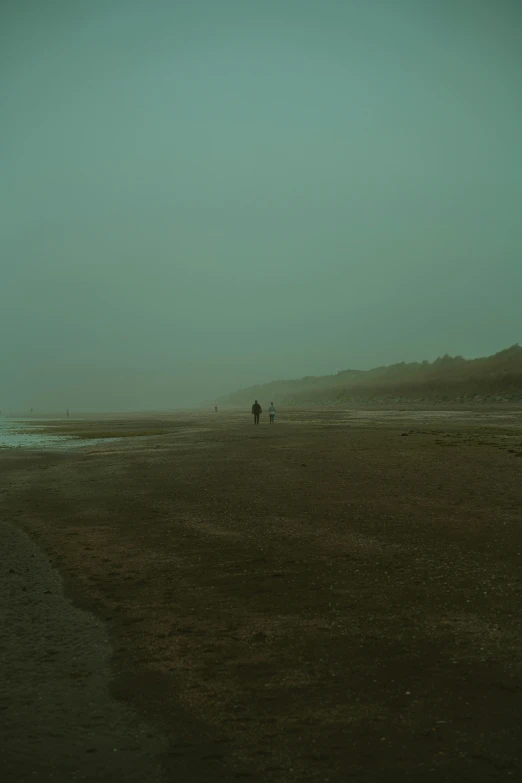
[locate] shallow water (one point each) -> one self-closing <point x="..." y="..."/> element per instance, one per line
<point x="20" y="434"/>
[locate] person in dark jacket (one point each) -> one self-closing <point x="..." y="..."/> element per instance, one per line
<point x="257" y="411"/>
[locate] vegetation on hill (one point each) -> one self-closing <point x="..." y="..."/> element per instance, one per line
<point x="494" y="378"/>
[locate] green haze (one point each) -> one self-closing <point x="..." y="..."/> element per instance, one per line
<point x="200" y="196"/>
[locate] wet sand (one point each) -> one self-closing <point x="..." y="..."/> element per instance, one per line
<point x="58" y="720"/>
<point x="336" y="597"/>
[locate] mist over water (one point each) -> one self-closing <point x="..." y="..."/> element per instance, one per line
<point x="24" y="434"/>
<point x="201" y="196"/>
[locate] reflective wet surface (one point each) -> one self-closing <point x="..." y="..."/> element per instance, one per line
<point x="23" y="433"/>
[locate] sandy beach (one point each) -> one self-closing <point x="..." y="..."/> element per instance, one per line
<point x="335" y="597"/>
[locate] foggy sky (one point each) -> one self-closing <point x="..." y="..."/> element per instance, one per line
<point x="196" y="196"/>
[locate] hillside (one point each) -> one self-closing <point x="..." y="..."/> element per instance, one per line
<point x="494" y="378"/>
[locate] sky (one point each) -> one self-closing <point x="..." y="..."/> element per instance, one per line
<point x="198" y="196"/>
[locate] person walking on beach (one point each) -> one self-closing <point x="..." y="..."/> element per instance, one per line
<point x="215" y="406"/>
<point x="271" y="412"/>
<point x="257" y="411"/>
<point x="67" y="412"/>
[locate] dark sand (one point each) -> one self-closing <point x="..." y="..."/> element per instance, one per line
<point x="333" y="598"/>
<point x="57" y="720"/>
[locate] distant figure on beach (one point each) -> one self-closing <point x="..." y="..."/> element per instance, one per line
<point x="31" y="410"/>
<point x="271" y="412"/>
<point x="67" y="412"/>
<point x="215" y="406"/>
<point x="257" y="411"/>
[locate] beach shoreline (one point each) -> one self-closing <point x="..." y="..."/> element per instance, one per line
<point x="333" y="597"/>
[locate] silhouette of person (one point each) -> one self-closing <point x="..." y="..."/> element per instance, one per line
<point x="257" y="411"/>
